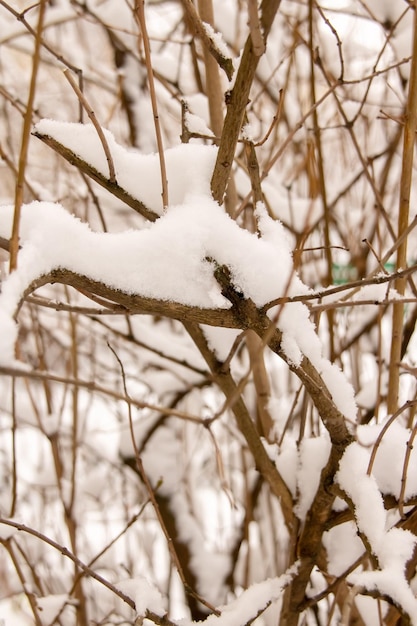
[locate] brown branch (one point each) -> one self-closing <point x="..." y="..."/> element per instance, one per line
<point x="27" y="122"/>
<point x="67" y="553"/>
<point x="353" y="287"/>
<point x="332" y="418"/>
<point x="114" y="188"/>
<point x="31" y="598"/>
<point x="258" y="42"/>
<point x="22" y="20"/>
<point x="244" y="314"/>
<point x="213" y="85"/>
<point x="137" y="304"/>
<point x="88" y="109"/>
<point x="90" y="385"/>
<point x="237" y="102"/>
<point x="224" y="62"/>
<point x="410" y="128"/>
<point x="154" y="501"/>
<point x="139" y="13"/>
<point x="246" y="425"/>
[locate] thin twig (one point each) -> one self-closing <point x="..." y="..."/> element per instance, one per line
<point x="87" y="107"/>
<point x="140" y="16"/>
<point x="19" y="571"/>
<point x="407" y="457"/>
<point x="103" y="551"/>
<point x="67" y="553"/>
<point x="92" y="386"/>
<point x="384" y="429"/>
<point x="152" y="498"/>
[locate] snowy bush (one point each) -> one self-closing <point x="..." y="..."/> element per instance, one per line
<point x="207" y="312"/>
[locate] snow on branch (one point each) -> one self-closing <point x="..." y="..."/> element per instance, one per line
<point x="138" y="175"/>
<point x="211" y="39"/>
<point x="251" y="603"/>
<point x="392" y="547"/>
<point x="194" y="263"/>
<point x="173" y="265"/>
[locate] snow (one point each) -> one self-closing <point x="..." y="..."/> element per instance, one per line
<point x="343" y="547"/>
<point x="172" y="258"/>
<point x="247" y="606"/>
<point x="393" y="446"/>
<point x="391" y="546"/>
<point x="188" y="167"/>
<point x="287" y="465"/>
<point x="196" y="124"/>
<point x="251" y="601"/>
<point x="217" y="40"/>
<point x="211" y="566"/>
<point x="50" y="606"/>
<point x="167" y="261"/>
<point x="248" y="132"/>
<point x="301" y="468"/>
<point x="145" y="595"/>
<point x="313" y="457"/>
<point x="220" y="340"/>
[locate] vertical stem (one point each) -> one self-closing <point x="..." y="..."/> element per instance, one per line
<point x="71" y="521"/>
<point x="322" y="182"/>
<point x="140" y="16"/>
<point x="13" y="446"/>
<point x="410" y="128"/>
<point x="215" y="97"/>
<point x="213" y="85"/>
<point x="27" y="123"/>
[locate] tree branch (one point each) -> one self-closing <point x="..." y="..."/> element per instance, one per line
<point x="112" y="187"/>
<point x="136" y="304"/>
<point x="238" y="101"/>
<point x="247" y="427"/>
<point x="224" y="62"/>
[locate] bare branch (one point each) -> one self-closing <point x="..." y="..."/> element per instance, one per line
<point x="84" y="102"/>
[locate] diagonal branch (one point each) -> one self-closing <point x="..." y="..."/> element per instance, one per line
<point x="209" y="43"/>
<point x="88" y="109"/>
<point x="112" y="187"/>
<point x="247" y="427"/>
<point x="333" y="419"/>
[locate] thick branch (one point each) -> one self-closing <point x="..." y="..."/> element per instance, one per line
<point x="310" y="540"/>
<point x="238" y="101"/>
<point x="137" y="304"/>
<point x="243" y="314"/>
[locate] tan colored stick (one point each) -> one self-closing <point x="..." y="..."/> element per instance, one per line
<point x="140" y="16"/>
<point x="410" y="128"/>
<point x="27" y="123"/>
<point x="87" y="108"/>
<point x="213" y="84"/>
